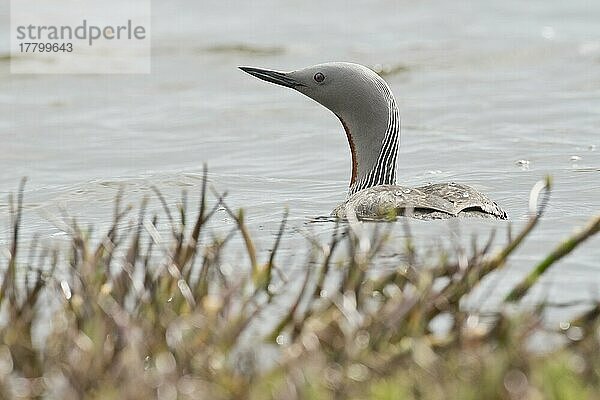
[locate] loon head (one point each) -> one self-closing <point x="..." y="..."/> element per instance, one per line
<point x="363" y="102"/>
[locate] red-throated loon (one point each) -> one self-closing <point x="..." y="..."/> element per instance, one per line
<point x="365" y="105"/>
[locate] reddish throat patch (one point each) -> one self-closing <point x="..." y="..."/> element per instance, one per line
<point x="352" y="151"/>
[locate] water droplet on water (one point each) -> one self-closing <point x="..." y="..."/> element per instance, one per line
<point x="575" y="158"/>
<point x="281" y="340"/>
<point x="592" y="147"/>
<point x="465" y="194"/>
<point x="548" y="32"/>
<point x="524" y="164"/>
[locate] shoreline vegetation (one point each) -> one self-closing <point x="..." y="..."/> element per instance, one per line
<point x="120" y="321"/>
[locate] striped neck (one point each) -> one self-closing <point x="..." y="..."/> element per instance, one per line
<point x="382" y="170"/>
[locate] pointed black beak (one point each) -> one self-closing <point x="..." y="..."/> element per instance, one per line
<point x="276" y="77"/>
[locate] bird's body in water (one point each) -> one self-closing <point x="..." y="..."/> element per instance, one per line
<point x="366" y="107"/>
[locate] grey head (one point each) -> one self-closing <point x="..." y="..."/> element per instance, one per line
<point x="363" y="102"/>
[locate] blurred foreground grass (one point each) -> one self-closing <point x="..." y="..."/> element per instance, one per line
<point x="118" y="321"/>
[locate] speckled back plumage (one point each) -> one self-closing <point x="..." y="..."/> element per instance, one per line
<point x="436" y="201"/>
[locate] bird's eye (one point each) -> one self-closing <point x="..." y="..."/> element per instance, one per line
<point x="319" y="77"/>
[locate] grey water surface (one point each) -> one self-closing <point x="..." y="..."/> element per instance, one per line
<point x="494" y="95"/>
